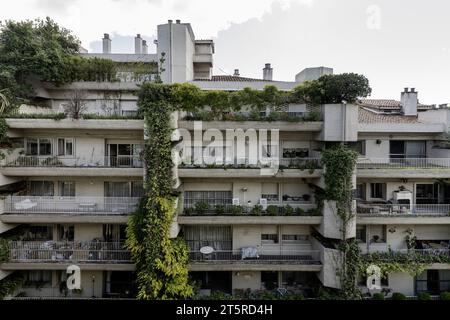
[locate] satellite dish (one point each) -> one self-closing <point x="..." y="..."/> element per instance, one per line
<point x="207" y="250"/>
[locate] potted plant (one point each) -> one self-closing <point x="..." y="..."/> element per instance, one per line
<point x="201" y="207"/>
<point x="306" y="197"/>
<point x="272" y="210"/>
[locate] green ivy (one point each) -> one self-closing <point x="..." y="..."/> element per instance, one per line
<point x="4" y="250"/>
<point x="161" y="262"/>
<point x="9" y="284"/>
<point x="339" y="165"/>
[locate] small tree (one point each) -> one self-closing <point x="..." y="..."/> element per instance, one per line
<point x="76" y="105"/>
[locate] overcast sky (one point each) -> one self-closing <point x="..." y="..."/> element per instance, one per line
<point x="396" y="44"/>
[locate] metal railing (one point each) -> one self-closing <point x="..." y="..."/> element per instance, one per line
<point x="62" y="251"/>
<point x="55" y="161"/>
<point x="403" y="163"/>
<point x="250" y="163"/>
<point x="76" y="205"/>
<point x="272" y="209"/>
<point x="404" y="209"/>
<point x="259" y="256"/>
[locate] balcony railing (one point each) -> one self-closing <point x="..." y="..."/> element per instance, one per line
<point x="272" y="209"/>
<point x="255" y="256"/>
<point x="403" y="163"/>
<point x="71" y="205"/>
<point x="61" y="251"/>
<point x="404" y="209"/>
<point x="55" y="161"/>
<point x="249" y="163"/>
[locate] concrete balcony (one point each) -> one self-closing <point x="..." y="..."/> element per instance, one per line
<point x="51" y="255"/>
<point x="306" y="126"/>
<point x="403" y="168"/>
<point x="283" y="259"/>
<point x="403" y="213"/>
<point x="90" y="124"/>
<point x="204" y="58"/>
<point x="299" y="213"/>
<point x="29" y="209"/>
<point x="102" y="166"/>
<point x="252" y="168"/>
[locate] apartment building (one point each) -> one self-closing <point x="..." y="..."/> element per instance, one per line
<point x="69" y="186"/>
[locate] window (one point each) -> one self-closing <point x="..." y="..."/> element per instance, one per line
<point x="67" y="188"/>
<point x="269" y="280"/>
<point x="377" y="190"/>
<point x="124" y="189"/>
<point x="36" y="277"/>
<point x="66" y="233"/>
<point x="137" y="189"/>
<point x="378" y="233"/>
<point x="407" y="149"/>
<point x="211" y="197"/>
<point x="361" y="234"/>
<point x="114" y="232"/>
<point x="65" y="147"/>
<point x="37" y="233"/>
<point x="295" y="153"/>
<point x="358" y="146"/>
<point x="427" y="193"/>
<point x="295" y="238"/>
<point x="40" y="188"/>
<point x="38" y="147"/>
<point x="360" y="192"/>
<point x="269" y="238"/>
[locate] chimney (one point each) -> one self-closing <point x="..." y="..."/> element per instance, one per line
<point x="267" y="72"/>
<point x="138" y="44"/>
<point x="170" y="21"/>
<point x="236" y="73"/>
<point x="106" y="43"/>
<point x="144" y="47"/>
<point x="178" y="21"/>
<point x="409" y="102"/>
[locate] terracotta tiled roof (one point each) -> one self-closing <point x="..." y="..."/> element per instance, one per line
<point x="389" y="104"/>
<point x="365" y="115"/>
<point x="227" y="78"/>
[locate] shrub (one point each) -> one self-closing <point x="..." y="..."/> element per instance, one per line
<point x="257" y="210"/>
<point x="378" y="296"/>
<point x="424" y="296"/>
<point x="272" y="210"/>
<point x="288" y="210"/>
<point x="299" y="211"/>
<point x="219" y="209"/>
<point x="398" y="296"/>
<point x="189" y="211"/>
<point x="445" y="296"/>
<point x="236" y="210"/>
<point x="201" y="207"/>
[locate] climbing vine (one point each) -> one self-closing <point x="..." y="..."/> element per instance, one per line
<point x="339" y="164"/>
<point x="161" y="262"/>
<point x="9" y="284"/>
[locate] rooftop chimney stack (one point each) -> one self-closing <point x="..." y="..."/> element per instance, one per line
<point x="138" y="44"/>
<point x="409" y="102"/>
<point x="178" y="21"/>
<point x="144" y="47"/>
<point x="106" y="43"/>
<point x="236" y="73"/>
<point x="267" y="72"/>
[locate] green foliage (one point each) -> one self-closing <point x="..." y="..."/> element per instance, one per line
<point x="9" y="284"/>
<point x="339" y="165"/>
<point x="219" y="209"/>
<point x="272" y="210"/>
<point x="378" y="296"/>
<point x="201" y="207"/>
<point x="424" y="296"/>
<point x="236" y="210"/>
<point x="257" y="210"/>
<point x="398" y="296"/>
<point x="411" y="262"/>
<point x="4" y="250"/>
<point x="445" y="296"/>
<point x="288" y="210"/>
<point x="333" y="88"/>
<point x="37" y="48"/>
<point x="161" y="263"/>
<point x="90" y="69"/>
<point x="52" y="116"/>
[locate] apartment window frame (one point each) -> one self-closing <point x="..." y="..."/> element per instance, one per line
<point x="294" y="238"/>
<point x="361" y="233"/>
<point x="38" y="144"/>
<point x="270" y="238"/>
<point x="212" y="197"/>
<point x="434" y="193"/>
<point x="67" y="189"/>
<point x="360" y="191"/>
<point x="377" y="190"/>
<point x="41" y="188"/>
<point x="66" y="142"/>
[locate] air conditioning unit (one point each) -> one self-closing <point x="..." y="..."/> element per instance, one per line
<point x="236" y="201"/>
<point x="263" y="203"/>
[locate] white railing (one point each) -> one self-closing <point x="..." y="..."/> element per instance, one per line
<point x="427" y="252"/>
<point x="259" y="256"/>
<point x="55" y="161"/>
<point x="403" y="163"/>
<point x="62" y="251"/>
<point x="404" y="209"/>
<point x="76" y="205"/>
